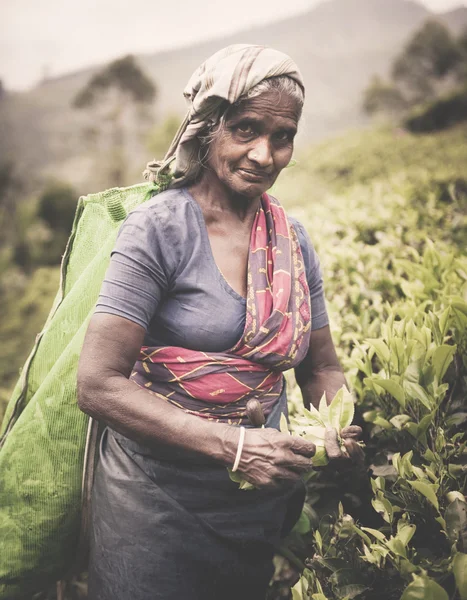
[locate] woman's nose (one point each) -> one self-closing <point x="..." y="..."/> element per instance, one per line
<point x="261" y="153"/>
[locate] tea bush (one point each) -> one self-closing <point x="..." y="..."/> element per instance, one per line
<point x="395" y="269"/>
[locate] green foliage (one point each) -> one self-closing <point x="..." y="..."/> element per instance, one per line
<point x="383" y="97"/>
<point x="122" y="74"/>
<point x="398" y="307"/>
<point x="440" y="114"/>
<point x="25" y="304"/>
<point x="432" y="63"/>
<point x="162" y="135"/>
<point x="429" y="55"/>
<point x="387" y="212"/>
<point x="43" y="226"/>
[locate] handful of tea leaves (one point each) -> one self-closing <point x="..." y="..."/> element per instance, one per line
<point x="312" y="425"/>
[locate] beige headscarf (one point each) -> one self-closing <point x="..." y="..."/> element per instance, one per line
<point x="225" y="76"/>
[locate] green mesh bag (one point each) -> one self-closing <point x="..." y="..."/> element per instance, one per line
<point x="44" y="434"/>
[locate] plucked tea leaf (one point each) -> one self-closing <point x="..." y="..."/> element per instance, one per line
<point x="314" y="417"/>
<point x="320" y="459"/>
<point x="283" y="425"/>
<point x="341" y="410"/>
<point x="459" y="568"/>
<point x="315" y="435"/>
<point x="324" y="408"/>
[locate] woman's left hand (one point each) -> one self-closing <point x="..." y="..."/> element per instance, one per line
<point x="351" y="453"/>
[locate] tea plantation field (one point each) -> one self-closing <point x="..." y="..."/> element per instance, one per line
<point x="387" y="213"/>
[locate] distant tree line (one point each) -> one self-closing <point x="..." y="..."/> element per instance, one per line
<point x="428" y="81"/>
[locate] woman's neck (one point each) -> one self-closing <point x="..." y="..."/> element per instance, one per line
<point x="215" y="198"/>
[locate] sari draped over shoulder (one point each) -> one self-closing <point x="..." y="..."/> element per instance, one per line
<point x="217" y="385"/>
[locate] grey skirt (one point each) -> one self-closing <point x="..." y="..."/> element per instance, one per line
<point x="168" y="527"/>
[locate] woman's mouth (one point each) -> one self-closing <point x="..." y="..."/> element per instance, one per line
<point x="253" y="176"/>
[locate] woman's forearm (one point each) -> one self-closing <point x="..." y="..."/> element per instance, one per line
<point x="328" y="380"/>
<point x="152" y="421"/>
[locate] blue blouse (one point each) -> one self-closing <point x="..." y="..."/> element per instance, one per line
<point x="163" y="276"/>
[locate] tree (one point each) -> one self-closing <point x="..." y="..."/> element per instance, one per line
<point x="382" y="97"/>
<point x="118" y="95"/>
<point x="430" y="55"/>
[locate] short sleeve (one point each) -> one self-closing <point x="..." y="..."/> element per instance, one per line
<point x="319" y="316"/>
<point x="137" y="277"/>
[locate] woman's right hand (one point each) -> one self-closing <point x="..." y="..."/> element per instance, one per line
<point x="270" y="458"/>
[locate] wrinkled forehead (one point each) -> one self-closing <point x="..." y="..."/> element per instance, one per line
<point x="272" y="103"/>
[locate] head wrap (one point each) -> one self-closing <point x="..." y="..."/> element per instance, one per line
<point x="224" y="77"/>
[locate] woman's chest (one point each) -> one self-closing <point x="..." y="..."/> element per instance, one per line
<point x="202" y="310"/>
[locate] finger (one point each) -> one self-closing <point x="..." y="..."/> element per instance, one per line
<point x="284" y="474"/>
<point x="296" y="462"/>
<point x="331" y="444"/>
<point x="351" y="432"/>
<point x="302" y="446"/>
<point x="354" y="451"/>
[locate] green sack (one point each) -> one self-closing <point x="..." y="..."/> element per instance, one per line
<point x="43" y="436"/>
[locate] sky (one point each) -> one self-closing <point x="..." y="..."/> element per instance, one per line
<point x="53" y="37"/>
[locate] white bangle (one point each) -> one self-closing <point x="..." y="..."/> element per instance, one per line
<point x="239" y="449"/>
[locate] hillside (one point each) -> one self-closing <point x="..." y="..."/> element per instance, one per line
<point x="338" y="46"/>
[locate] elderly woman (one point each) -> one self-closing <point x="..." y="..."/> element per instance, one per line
<point x="212" y="292"/>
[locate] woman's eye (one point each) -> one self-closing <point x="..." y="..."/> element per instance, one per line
<point x="283" y="136"/>
<point x="245" y="128"/>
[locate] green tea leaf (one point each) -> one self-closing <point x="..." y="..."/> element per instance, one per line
<point x="459" y="568"/>
<point x="424" y="588"/>
<point x="283" y="425"/>
<point x="442" y="358"/>
<point x="405" y="532"/>
<point x="399" y="421"/>
<point x="315" y="435"/>
<point x="324" y="408"/>
<point x="397" y="547"/>
<point x="374" y="532"/>
<point x="382" y="422"/>
<point x="320" y="459"/>
<point x="443" y="321"/>
<point x="428" y="490"/>
<point x="383" y="507"/>
<point x="297" y="593"/>
<point x="415" y="390"/>
<point x="456" y="524"/>
<point x="393" y="388"/>
<point x="302" y="526"/>
<point x="341" y="409"/>
<point x="246" y="485"/>
<point x="314" y="417"/>
<point x="381" y="349"/>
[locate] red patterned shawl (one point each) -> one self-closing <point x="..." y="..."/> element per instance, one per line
<point x="217" y="385"/>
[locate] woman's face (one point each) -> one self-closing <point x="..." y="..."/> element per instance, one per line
<point x="255" y="144"/>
